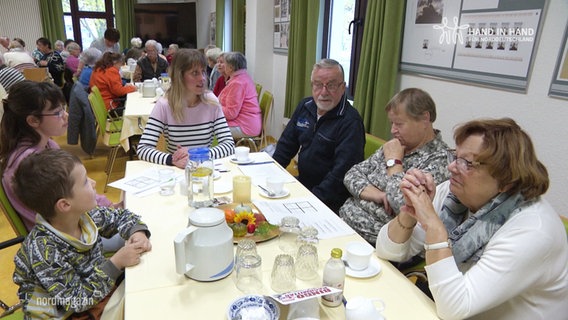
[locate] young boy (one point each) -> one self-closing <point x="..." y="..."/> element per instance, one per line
<point x="60" y="267"/>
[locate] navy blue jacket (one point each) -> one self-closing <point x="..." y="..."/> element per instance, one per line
<point x="328" y="148"/>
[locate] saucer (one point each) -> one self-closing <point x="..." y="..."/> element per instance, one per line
<point x="222" y="187"/>
<point x="282" y="194"/>
<point x="372" y="270"/>
<point x="253" y="307"/>
<point x="249" y="160"/>
<point x="216" y="174"/>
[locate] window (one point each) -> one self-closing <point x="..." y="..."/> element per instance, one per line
<point x="343" y="34"/>
<point x="86" y="21"/>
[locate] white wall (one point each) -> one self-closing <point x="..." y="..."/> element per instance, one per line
<point x="544" y="118"/>
<point x="22" y="19"/>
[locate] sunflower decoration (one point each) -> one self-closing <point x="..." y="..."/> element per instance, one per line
<point x="245" y="217"/>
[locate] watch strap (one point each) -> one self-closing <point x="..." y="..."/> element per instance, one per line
<point x="393" y="162"/>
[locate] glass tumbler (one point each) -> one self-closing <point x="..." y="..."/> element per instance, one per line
<point x="167" y="181"/>
<point x="308" y="235"/>
<point x="249" y="274"/>
<point x="289" y="230"/>
<point x="245" y="247"/>
<point x="307" y="262"/>
<point x="283" y="277"/>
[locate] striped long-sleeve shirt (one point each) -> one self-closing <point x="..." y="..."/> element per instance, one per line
<point x="200" y="125"/>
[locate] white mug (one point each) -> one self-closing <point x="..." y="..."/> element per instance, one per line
<point x="275" y="184"/>
<point x="361" y="308"/>
<point x="358" y="255"/>
<point x="242" y="153"/>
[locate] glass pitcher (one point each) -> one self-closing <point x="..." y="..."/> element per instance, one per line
<point x="199" y="177"/>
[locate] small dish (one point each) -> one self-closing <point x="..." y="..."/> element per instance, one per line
<point x="253" y="307"/>
<point x="282" y="194"/>
<point x="372" y="270"/>
<point x="247" y="161"/>
<point x="222" y="187"/>
<point x="216" y="175"/>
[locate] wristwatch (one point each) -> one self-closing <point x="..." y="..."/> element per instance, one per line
<point x="392" y="162"/>
<point x="435" y="246"/>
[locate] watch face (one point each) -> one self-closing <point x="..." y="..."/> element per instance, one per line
<point x="390" y="162"/>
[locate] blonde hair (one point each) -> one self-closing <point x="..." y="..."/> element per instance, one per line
<point x="508" y="154"/>
<point x="183" y="61"/>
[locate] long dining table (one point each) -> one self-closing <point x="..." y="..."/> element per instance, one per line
<point x="137" y="110"/>
<point x="153" y="289"/>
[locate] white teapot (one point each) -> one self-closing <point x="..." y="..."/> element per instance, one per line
<point x="204" y="250"/>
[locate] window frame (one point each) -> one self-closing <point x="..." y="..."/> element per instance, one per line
<point x="76" y="15"/>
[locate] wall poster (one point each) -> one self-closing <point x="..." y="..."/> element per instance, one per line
<point x="487" y="42"/>
<point x="281" y="25"/>
<point x="559" y="85"/>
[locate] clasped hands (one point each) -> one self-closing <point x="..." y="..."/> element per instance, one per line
<point x="418" y="189"/>
<point x="130" y="254"/>
<point x="180" y="157"/>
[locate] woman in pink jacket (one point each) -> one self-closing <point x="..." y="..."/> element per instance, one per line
<point x="239" y="99"/>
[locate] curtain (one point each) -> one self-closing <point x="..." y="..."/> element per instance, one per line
<point x="302" y="51"/>
<point x="125" y="21"/>
<point x="219" y="23"/>
<point x="378" y="67"/>
<point x="238" y="26"/>
<point x="52" y="20"/>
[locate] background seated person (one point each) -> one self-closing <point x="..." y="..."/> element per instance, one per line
<point x="329" y="134"/>
<point x="51" y="60"/>
<point x="88" y="59"/>
<point x="222" y="80"/>
<point x="239" y="98"/>
<point x="374" y="183"/>
<point x="188" y="115"/>
<point x="61" y="258"/>
<point x="495" y="249"/>
<point x="106" y="76"/>
<point x="151" y="65"/>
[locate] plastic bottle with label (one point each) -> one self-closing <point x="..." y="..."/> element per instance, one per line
<point x="334" y="276"/>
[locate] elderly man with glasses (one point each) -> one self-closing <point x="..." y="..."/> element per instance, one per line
<point x="151" y="65"/>
<point x="328" y="133"/>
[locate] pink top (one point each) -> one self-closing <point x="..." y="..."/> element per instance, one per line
<point x="240" y="103"/>
<point x="21" y="152"/>
<point x="72" y="63"/>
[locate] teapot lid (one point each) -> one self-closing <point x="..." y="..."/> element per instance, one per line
<point x="206" y="217"/>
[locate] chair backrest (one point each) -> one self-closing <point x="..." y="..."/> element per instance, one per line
<point x="565" y="222"/>
<point x="36" y="74"/>
<point x="99" y="109"/>
<point x="258" y="90"/>
<point x="372" y="144"/>
<point x="265" y="104"/>
<point x="13" y="217"/>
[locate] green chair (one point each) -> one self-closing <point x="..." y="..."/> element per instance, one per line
<point x="372" y="144"/>
<point x="565" y="222"/>
<point x="266" y="104"/>
<point x="258" y="90"/>
<point x="108" y="128"/>
<point x="13" y="217"/>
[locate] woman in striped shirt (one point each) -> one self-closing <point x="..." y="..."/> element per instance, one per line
<point x="189" y="116"/>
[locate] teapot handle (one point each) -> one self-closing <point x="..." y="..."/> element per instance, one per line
<point x="179" y="246"/>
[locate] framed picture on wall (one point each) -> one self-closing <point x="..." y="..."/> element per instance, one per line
<point x="281" y="25"/>
<point x="559" y="84"/>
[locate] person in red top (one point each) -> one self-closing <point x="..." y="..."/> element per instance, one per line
<point x="106" y="76"/>
<point x="221" y="81"/>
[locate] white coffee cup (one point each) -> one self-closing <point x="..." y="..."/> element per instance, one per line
<point x="275" y="184"/>
<point x="242" y="153"/>
<point x="358" y="255"/>
<point x="361" y="308"/>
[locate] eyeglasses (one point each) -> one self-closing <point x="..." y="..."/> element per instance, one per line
<point x="60" y="114"/>
<point x="463" y="165"/>
<point x="331" y="87"/>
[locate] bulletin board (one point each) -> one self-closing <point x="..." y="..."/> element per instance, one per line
<point x="485" y="42"/>
<point x="559" y="84"/>
<point x="281" y="25"/>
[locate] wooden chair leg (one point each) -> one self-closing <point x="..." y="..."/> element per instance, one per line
<point x="110" y="164"/>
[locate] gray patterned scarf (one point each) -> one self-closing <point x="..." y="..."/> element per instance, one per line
<point x="468" y="238"/>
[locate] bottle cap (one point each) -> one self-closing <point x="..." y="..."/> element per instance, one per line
<point x="199" y="154"/>
<point x="336" y="253"/>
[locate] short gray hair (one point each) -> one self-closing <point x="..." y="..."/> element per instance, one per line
<point x="151" y="43"/>
<point x="136" y="42"/>
<point x="90" y="56"/>
<point x="213" y="53"/>
<point x="73" y="46"/>
<point x="236" y="60"/>
<point x="328" y="64"/>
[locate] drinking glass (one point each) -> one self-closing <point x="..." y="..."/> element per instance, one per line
<point x="249" y="273"/>
<point x="307" y="262"/>
<point x="245" y="247"/>
<point x="167" y="181"/>
<point x="283" y="277"/>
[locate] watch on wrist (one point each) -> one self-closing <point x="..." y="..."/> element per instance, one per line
<point x="392" y="162"/>
<point x="435" y="246"/>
